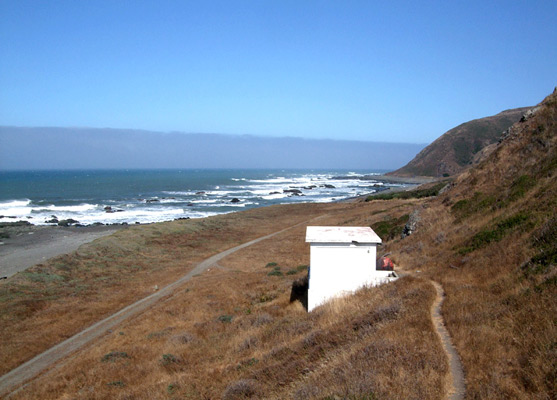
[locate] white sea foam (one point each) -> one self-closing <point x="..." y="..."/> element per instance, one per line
<point x="14" y="203"/>
<point x="274" y="196"/>
<point x="71" y="209"/>
<point x="195" y="202"/>
<point x="15" y="208"/>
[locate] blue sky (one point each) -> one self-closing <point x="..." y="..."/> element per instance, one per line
<point x="363" y="70"/>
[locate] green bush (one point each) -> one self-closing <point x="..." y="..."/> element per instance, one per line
<point x="292" y="272"/>
<point x="116" y="384"/>
<point x="487" y="236"/>
<point x="43" y="277"/>
<point x="271" y="264"/>
<point x="391" y="227"/>
<point x="520" y="186"/>
<point x="168" y="359"/>
<point x="545" y="242"/>
<point x="275" y="272"/>
<point x="464" y="208"/>
<point x="226" y="318"/>
<point x="114" y="355"/>
<point x="410" y="194"/>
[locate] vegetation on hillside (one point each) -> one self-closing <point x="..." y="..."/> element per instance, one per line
<point x="495" y="252"/>
<point x="426" y="190"/>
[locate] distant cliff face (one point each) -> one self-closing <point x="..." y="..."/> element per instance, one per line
<point x="460" y="147"/>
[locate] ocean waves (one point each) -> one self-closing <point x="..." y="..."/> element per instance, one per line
<point x="170" y="195"/>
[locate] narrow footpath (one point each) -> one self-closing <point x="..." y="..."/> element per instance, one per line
<point x="456" y="385"/>
<point x="30" y="369"/>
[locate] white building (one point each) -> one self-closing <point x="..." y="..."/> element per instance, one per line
<point x="342" y="259"/>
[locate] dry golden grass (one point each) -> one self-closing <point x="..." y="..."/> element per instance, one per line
<point x="499" y="276"/>
<point x="232" y="331"/>
<point x="66" y="294"/>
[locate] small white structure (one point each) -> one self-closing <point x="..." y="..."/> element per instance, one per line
<point x="342" y="259"/>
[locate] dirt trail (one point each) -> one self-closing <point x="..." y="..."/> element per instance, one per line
<point x="456" y="384"/>
<point x="27" y="371"/>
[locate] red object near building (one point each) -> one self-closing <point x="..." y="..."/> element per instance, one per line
<point x="385" y="264"/>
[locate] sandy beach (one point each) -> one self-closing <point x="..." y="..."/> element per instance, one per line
<point x="28" y="245"/>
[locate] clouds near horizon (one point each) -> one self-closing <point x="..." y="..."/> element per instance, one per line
<point x="67" y="148"/>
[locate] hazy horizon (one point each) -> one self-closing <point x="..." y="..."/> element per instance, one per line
<point x="53" y="148"/>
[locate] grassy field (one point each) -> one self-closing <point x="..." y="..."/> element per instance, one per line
<point x="232" y="332"/>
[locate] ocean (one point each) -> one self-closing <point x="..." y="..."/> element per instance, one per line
<point x="146" y="196"/>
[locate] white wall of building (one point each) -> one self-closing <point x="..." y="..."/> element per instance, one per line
<point x="338" y="268"/>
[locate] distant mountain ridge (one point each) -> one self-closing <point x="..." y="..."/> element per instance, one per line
<point x="460" y="147"/>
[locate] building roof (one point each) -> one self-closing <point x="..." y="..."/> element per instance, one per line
<point x="341" y="234"/>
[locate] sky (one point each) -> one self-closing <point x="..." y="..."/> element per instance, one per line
<point x="389" y="71"/>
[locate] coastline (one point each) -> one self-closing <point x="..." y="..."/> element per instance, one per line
<point x="405" y="183"/>
<point x="26" y="245"/>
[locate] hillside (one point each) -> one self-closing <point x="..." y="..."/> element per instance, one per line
<point x="489" y="238"/>
<point x="458" y="148"/>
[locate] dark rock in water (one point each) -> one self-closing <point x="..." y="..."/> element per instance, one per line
<point x="200" y="193"/>
<point x="235" y="200"/>
<point x="412" y="224"/>
<point x="137" y="223"/>
<point x="190" y="204"/>
<point x="119" y="210"/>
<point x="108" y="208"/>
<point x="52" y="221"/>
<point x="328" y="186"/>
<point x="310" y="187"/>
<point x="293" y="191"/>
<point x="181" y="218"/>
<point x="274" y="193"/>
<point x="67" y="222"/>
<point x="152" y="201"/>
<point x="16" y="223"/>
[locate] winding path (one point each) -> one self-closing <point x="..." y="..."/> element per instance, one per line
<point x="456" y="384"/>
<point x="28" y="370"/>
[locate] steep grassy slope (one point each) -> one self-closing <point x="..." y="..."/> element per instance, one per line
<point x="491" y="240"/>
<point x="456" y="149"/>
